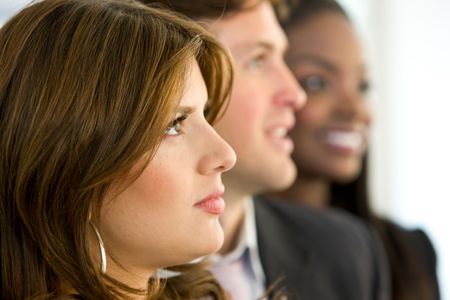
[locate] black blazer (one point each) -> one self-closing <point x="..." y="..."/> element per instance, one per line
<point x="421" y="250"/>
<point x="319" y="255"/>
<point x="427" y="256"/>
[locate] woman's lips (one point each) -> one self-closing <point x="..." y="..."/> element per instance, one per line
<point x="212" y="204"/>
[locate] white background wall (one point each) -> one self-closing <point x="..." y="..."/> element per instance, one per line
<point x="8" y="7"/>
<point x="408" y="44"/>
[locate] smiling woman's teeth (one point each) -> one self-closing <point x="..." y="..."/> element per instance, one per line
<point x="353" y="140"/>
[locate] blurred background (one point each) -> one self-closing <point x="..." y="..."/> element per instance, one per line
<point x="408" y="48"/>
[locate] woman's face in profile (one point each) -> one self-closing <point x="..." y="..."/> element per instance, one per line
<point x="170" y="214"/>
<point x="330" y="135"/>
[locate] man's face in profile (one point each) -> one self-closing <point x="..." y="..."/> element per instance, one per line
<point x="264" y="98"/>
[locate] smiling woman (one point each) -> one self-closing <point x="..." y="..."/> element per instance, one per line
<point x="105" y="111"/>
<point x="331" y="136"/>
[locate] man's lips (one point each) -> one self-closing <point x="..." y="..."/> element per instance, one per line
<point x="278" y="132"/>
<point x="212" y="204"/>
<point x="278" y="135"/>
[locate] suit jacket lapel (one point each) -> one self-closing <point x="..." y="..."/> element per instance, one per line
<point x="284" y="254"/>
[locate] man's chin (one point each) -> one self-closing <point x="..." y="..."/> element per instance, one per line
<point x="282" y="177"/>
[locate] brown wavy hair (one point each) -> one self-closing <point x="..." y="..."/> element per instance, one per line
<point x="207" y="10"/>
<point x="88" y="88"/>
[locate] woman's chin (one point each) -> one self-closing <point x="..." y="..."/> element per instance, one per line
<point x="205" y="244"/>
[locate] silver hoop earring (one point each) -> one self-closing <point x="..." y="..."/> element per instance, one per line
<point x="101" y="247"/>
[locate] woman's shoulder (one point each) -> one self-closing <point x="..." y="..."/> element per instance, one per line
<point x="419" y="249"/>
<point x="416" y="238"/>
<point x="418" y="246"/>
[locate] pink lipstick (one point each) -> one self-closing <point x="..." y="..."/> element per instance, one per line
<point x="212" y="204"/>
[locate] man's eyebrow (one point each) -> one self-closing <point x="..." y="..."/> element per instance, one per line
<point x="245" y="47"/>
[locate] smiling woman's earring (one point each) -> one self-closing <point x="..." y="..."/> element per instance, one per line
<point x="101" y="248"/>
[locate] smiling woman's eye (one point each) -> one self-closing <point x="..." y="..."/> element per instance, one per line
<point x="174" y="128"/>
<point x="364" y="86"/>
<point x="313" y="83"/>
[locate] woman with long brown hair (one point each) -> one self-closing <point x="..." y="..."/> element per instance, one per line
<point x="109" y="168"/>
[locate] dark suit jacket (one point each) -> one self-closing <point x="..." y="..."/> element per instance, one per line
<point x="421" y="251"/>
<point x="319" y="255"/>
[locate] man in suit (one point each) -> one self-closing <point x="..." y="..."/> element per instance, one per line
<point x="272" y="248"/>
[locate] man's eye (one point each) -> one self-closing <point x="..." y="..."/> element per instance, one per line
<point x="256" y="62"/>
<point x="174" y="128"/>
<point x="313" y="83"/>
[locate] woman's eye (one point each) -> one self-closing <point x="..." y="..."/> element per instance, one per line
<point x="364" y="86"/>
<point x="174" y="128"/>
<point x="313" y="83"/>
<point x="210" y="115"/>
<point x="207" y="111"/>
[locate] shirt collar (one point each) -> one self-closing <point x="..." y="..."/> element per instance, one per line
<point x="248" y="240"/>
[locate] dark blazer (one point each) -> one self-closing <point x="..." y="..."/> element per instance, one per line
<point x="319" y="255"/>
<point x="420" y="250"/>
<point x="427" y="256"/>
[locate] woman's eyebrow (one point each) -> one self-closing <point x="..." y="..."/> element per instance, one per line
<point x="313" y="59"/>
<point x="185" y="109"/>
